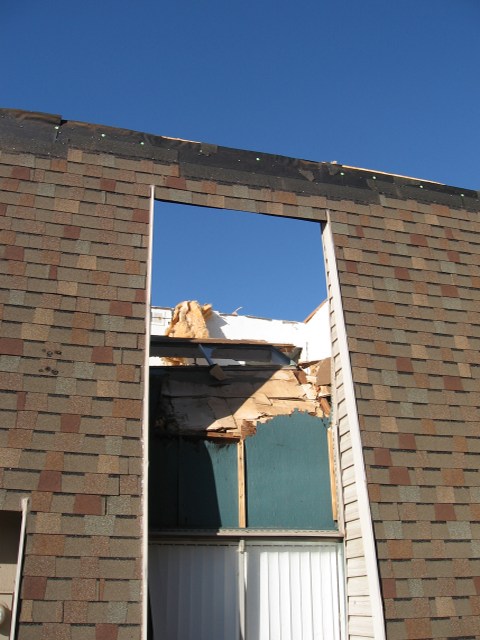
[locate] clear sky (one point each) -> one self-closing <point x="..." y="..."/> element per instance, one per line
<point x="392" y="86"/>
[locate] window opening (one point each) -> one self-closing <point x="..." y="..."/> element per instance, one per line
<point x="272" y="267"/>
<point x="241" y="485"/>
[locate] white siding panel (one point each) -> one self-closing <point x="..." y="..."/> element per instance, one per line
<point x="348" y="476"/>
<point x="345" y="442"/>
<point x="356" y="586"/>
<point x="361" y="626"/>
<point x="360" y="606"/>
<point x="347" y="459"/>
<point x="356" y="567"/>
<point x="354" y="549"/>
<point x="351" y="511"/>
<point x="350" y="494"/>
<point x="353" y="529"/>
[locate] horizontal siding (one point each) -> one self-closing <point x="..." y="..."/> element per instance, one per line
<point x="356" y="566"/>
<point x="354" y="529"/>
<point x="354" y="549"/>
<point x="345" y="440"/>
<point x="360" y="606"/>
<point x="361" y="626"/>
<point x="357" y="586"/>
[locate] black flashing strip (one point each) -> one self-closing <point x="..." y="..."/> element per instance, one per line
<point x="49" y="135"/>
<point x="171" y="340"/>
<point x="212" y="350"/>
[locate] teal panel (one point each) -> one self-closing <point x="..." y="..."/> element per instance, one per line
<point x="208" y="494"/>
<point x="163" y="483"/>
<point x="287" y="474"/>
<point x="193" y="484"/>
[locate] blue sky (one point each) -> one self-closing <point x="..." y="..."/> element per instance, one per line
<point x="388" y="86"/>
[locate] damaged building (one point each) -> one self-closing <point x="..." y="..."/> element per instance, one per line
<point x="225" y="470"/>
<point x="241" y="469"/>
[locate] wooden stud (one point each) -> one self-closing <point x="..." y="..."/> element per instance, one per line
<point x="242" y="507"/>
<point x="333" y="484"/>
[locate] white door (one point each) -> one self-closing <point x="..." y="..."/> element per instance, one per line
<point x="272" y="590"/>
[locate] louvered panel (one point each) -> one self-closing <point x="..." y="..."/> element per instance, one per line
<point x="292" y="591"/>
<point x="194" y="591"/>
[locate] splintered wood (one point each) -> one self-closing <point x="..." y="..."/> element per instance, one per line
<point x="191" y="403"/>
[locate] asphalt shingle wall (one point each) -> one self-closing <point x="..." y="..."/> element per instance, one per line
<point x="72" y="337"/>
<point x="410" y="281"/>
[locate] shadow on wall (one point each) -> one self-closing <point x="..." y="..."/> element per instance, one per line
<point x="190" y="484"/>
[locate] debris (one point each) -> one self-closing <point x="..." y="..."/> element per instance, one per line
<point x="192" y="403"/>
<point x="188" y="320"/>
<point x="217" y="372"/>
<point x="322" y="372"/>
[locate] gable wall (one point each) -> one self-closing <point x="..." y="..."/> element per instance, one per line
<point x="74" y="205"/>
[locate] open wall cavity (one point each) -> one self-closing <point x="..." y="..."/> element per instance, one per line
<point x="242" y="485"/>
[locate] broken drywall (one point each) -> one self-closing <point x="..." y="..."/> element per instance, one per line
<point x="187" y="400"/>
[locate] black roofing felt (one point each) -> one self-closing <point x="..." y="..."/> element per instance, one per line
<point x="50" y="135"/>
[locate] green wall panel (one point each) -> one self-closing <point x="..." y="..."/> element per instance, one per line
<point x="287" y="474"/>
<point x="193" y="484"/>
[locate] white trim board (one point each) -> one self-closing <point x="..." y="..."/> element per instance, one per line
<point x="145" y="431"/>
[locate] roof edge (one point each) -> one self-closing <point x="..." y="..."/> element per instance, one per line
<point x="51" y="135"/>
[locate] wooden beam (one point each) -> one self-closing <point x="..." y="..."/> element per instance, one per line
<point x="333" y="484"/>
<point x="242" y="506"/>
